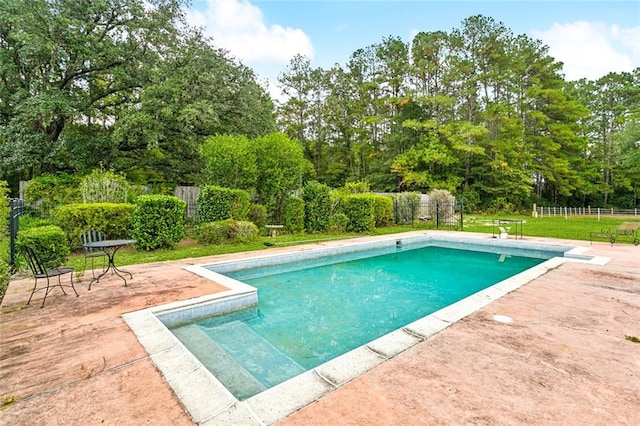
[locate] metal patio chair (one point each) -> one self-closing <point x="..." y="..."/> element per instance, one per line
<point x="92" y="253"/>
<point x="41" y="272"/>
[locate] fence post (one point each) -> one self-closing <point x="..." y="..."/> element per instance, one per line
<point x="598" y="213"/>
<point x="461" y="215"/>
<point x="437" y="214"/>
<point x="15" y="210"/>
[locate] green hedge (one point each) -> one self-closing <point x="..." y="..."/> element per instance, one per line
<point x="226" y="230"/>
<point x="112" y="219"/>
<point x="317" y="206"/>
<point x="383" y="210"/>
<point x="157" y="221"/>
<point x="360" y="209"/>
<point x="49" y="242"/>
<point x="294" y="215"/>
<point x="216" y="203"/>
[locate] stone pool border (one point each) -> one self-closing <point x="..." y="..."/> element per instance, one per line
<point x="191" y="381"/>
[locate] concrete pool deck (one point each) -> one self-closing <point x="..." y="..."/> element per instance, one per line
<point x="564" y="359"/>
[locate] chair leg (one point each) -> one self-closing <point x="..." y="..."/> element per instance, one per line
<point x="35" y="285"/>
<point x="46" y="293"/>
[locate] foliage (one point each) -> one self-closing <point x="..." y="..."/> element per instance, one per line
<point x="258" y="215"/>
<point x="49" y="242"/>
<point x="317" y="206"/>
<point x="360" y="209"/>
<point x="357" y="187"/>
<point x="294" y="215"/>
<point x="406" y="207"/>
<point x="50" y="191"/>
<point x="104" y="187"/>
<point x="4" y="207"/>
<point x="112" y="219"/>
<point x="281" y="166"/>
<point x="230" y="162"/>
<point x="338" y="222"/>
<point x="382" y="210"/>
<point x="216" y="203"/>
<point x="440" y="201"/>
<point x="228" y="230"/>
<point x="157" y="221"/>
<point x="127" y="83"/>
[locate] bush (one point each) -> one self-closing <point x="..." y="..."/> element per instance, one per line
<point x="338" y="223"/>
<point x="294" y="215"/>
<point x="317" y="206"/>
<point x="382" y="210"/>
<point x="440" y="204"/>
<point x="216" y="203"/>
<point x="360" y="211"/>
<point x="406" y="207"/>
<point x="4" y="207"/>
<point x="258" y="215"/>
<point x="357" y="187"/>
<point x="157" y="221"/>
<point x="226" y="230"/>
<point x="112" y="219"/>
<point x="51" y="191"/>
<point x="104" y="187"/>
<point x="49" y="243"/>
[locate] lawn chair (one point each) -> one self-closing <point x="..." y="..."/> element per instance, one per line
<point x="92" y="253"/>
<point x="41" y="272"/>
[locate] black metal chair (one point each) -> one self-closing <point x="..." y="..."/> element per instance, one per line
<point x="41" y="272"/>
<point x="92" y="253"/>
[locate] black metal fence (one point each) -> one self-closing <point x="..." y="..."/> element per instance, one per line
<point x="16" y="208"/>
<point x="443" y="214"/>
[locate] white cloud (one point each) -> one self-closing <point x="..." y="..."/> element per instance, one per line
<point x="592" y="49"/>
<point x="239" y="27"/>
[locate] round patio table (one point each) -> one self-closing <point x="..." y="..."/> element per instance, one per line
<point x="110" y="247"/>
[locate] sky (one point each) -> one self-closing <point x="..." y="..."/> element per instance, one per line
<point x="591" y="38"/>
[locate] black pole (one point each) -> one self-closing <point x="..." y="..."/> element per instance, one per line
<point x="437" y="214"/>
<point x="15" y="210"/>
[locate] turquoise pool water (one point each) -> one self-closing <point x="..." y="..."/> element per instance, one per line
<point x="310" y="312"/>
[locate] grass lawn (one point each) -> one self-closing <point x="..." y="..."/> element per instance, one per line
<point x="572" y="228"/>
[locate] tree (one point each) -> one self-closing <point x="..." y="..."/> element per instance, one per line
<point x="230" y="162"/>
<point x="71" y="61"/>
<point x="281" y="167"/>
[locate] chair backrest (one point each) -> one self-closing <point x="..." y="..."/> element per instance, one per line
<point x="35" y="264"/>
<point x="90" y="237"/>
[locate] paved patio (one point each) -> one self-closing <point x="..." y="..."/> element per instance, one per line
<point x="564" y="360"/>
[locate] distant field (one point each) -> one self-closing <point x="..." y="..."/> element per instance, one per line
<point x="573" y="228"/>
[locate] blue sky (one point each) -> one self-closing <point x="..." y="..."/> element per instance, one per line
<point x="591" y="38"/>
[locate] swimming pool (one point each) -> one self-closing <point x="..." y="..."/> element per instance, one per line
<point x="312" y="311"/>
<point x="206" y="399"/>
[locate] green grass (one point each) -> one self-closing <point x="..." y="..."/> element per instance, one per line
<point x="189" y="248"/>
<point x="573" y="228"/>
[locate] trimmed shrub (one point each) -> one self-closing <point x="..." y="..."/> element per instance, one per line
<point x="406" y="207"/>
<point x="104" y="187"/>
<point x="360" y="209"/>
<point x="216" y="203"/>
<point x="49" y="243"/>
<point x="258" y="215"/>
<point x="317" y="206"/>
<point x="383" y="210"/>
<point x="112" y="219"/>
<point x="338" y="223"/>
<point x="157" y="221"/>
<point x="294" y="215"/>
<point x="223" y="231"/>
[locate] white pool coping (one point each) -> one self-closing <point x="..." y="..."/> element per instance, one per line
<point x="207" y="400"/>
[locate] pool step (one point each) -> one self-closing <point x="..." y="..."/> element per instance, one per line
<point x="265" y="362"/>
<point x="240" y="358"/>
<point x="226" y="369"/>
